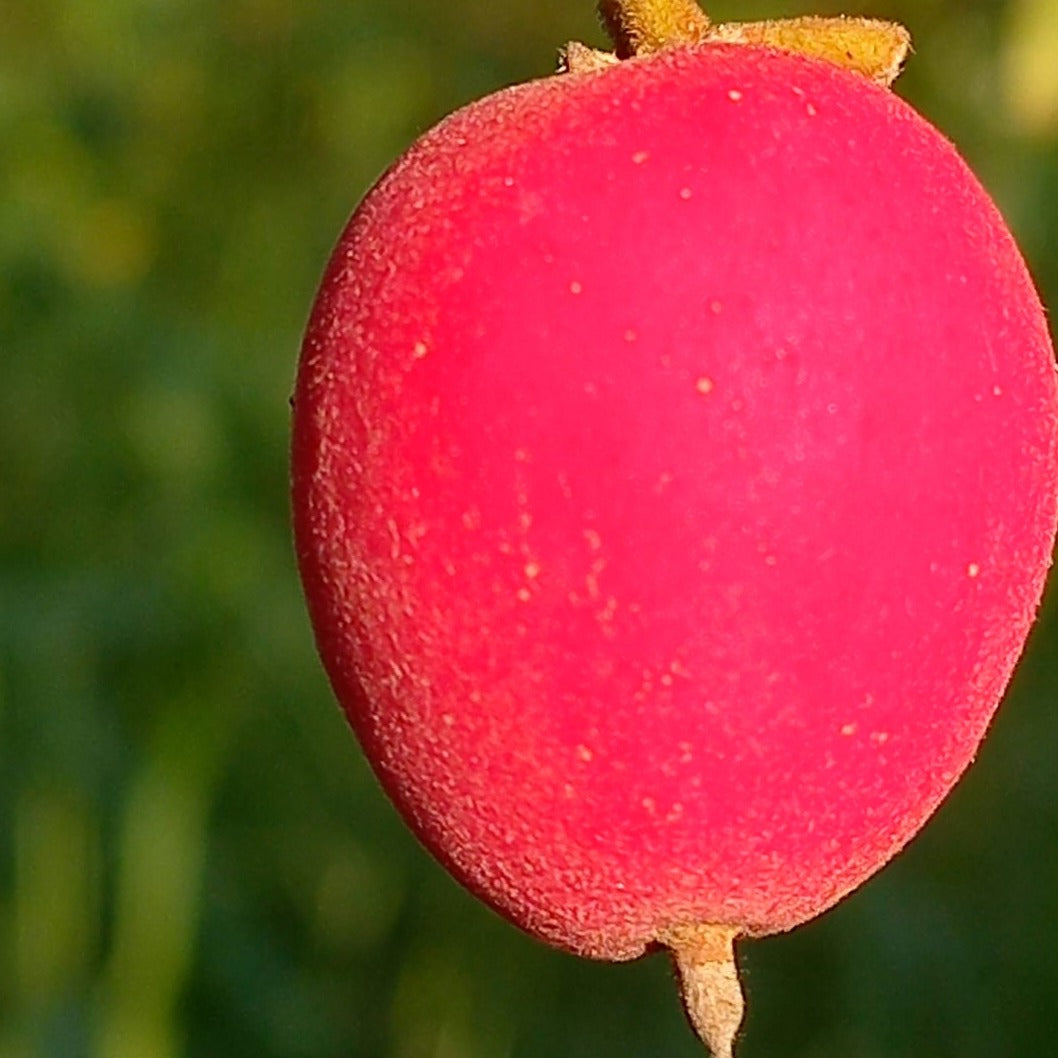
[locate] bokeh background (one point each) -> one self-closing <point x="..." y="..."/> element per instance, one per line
<point x="194" y="859"/>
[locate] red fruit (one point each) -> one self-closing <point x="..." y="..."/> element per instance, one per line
<point x="675" y="476"/>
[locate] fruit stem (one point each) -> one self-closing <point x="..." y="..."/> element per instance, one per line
<point x="637" y="27"/>
<point x="712" y="995"/>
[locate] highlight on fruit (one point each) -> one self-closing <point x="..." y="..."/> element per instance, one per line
<point x="675" y="478"/>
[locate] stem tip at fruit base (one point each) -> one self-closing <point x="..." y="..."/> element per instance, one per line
<point x="712" y="994"/>
<point x="869" y="47"/>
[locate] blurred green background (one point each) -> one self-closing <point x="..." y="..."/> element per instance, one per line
<point x="194" y="859"/>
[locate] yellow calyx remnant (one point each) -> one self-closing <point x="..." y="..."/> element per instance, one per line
<point x="872" y="48"/>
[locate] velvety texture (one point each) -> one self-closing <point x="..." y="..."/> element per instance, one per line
<point x="674" y="481"/>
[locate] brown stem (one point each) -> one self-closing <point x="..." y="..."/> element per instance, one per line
<point x="712" y="995"/>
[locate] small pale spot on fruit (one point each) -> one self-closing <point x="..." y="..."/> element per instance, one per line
<point x="811" y="109"/>
<point x="593" y="539"/>
<point x="646" y="686"/>
<point x="704" y="385"/>
<point x="997" y="391"/>
<point x="650" y="805"/>
<point x="448" y="719"/>
<point x="973" y="570"/>
<point x="848" y="730"/>
<point x="665" y="479"/>
<point x="508" y="181"/>
<point x="716" y="307"/>
<point x="605" y="614"/>
<point x="685" y="193"/>
<point x="640" y="157"/>
<point x="735" y="95"/>
<point x="686" y="756"/>
<point x="879" y="738"/>
<point x="524" y="595"/>
<point x="630" y="335"/>
<point x="420" y="350"/>
<point x="394" y="538"/>
<point x="584" y="753"/>
<point x="532" y="570"/>
<point x="575" y="287"/>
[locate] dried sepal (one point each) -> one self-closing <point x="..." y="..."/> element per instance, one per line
<point x="870" y="47"/>
<point x="580" y="58"/>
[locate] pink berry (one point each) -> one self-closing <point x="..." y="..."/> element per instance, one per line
<point x="675" y="476"/>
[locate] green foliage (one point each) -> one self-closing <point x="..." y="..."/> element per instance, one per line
<point x="194" y="858"/>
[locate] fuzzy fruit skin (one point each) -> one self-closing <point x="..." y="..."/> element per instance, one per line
<point x="674" y="482"/>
